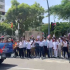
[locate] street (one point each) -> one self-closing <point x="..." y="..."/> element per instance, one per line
<point x="35" y="64"/>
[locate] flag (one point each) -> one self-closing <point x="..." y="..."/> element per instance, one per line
<point x="48" y="36"/>
<point x="11" y="25"/>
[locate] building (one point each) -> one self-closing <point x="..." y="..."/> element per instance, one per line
<point x="35" y="34"/>
<point x="2" y="10"/>
<point x="2" y="5"/>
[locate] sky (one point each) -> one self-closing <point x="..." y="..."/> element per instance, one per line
<point x="43" y="3"/>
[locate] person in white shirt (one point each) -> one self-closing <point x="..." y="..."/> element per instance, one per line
<point x="65" y="47"/>
<point x="45" y="46"/>
<point x="41" y="48"/>
<point x="28" y="49"/>
<point x="59" y="48"/>
<point x="20" y="49"/>
<point x="33" y="48"/>
<point x="50" y="47"/>
<point x="24" y="47"/>
<point x="55" y="47"/>
<point x="37" y="48"/>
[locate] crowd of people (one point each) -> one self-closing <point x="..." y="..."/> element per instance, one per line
<point x="42" y="47"/>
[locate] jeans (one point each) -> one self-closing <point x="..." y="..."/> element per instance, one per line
<point x="28" y="53"/>
<point x="65" y="49"/>
<point x="41" y="51"/>
<point x="24" y="51"/>
<point x="45" y="51"/>
<point x="50" y="52"/>
<point x="37" y="49"/>
<point x="15" y="51"/>
<point x="21" y="52"/>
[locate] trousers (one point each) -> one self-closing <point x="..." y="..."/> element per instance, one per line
<point x="55" y="53"/>
<point x="50" y="52"/>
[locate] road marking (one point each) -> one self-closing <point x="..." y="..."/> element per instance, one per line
<point x="56" y="61"/>
<point x="53" y="60"/>
<point x="20" y="68"/>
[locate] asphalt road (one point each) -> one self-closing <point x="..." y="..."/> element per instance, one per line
<point x="35" y="64"/>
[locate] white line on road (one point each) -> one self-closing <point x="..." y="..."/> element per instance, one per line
<point x="20" y="68"/>
<point x="51" y="60"/>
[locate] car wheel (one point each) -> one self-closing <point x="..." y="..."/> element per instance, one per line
<point x="1" y="60"/>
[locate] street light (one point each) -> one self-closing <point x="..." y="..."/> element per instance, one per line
<point x="48" y="18"/>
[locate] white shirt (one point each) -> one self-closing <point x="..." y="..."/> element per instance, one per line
<point x="38" y="42"/>
<point x="55" y="45"/>
<point x="45" y="42"/>
<point x="28" y="45"/>
<point x="24" y="43"/>
<point x="33" y="44"/>
<point x="64" y="44"/>
<point x="41" y="44"/>
<point x="49" y="44"/>
<point x="20" y="45"/>
<point x="59" y="45"/>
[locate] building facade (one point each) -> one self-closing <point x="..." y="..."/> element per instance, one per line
<point x="2" y="10"/>
<point x="2" y="5"/>
<point x="35" y="34"/>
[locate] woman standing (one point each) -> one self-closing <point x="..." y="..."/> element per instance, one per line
<point x="20" y="49"/>
<point x="65" y="47"/>
<point x="41" y="48"/>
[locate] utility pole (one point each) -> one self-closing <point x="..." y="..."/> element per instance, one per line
<point x="48" y="18"/>
<point x="55" y="25"/>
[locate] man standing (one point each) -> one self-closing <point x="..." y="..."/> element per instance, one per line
<point x="50" y="47"/>
<point x="24" y="47"/>
<point x="20" y="49"/>
<point x="28" y="49"/>
<point x="41" y="48"/>
<point x="59" y="48"/>
<point x="55" y="47"/>
<point x="45" y="47"/>
<point x="37" y="48"/>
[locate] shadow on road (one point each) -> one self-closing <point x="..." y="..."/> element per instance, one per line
<point x="6" y="66"/>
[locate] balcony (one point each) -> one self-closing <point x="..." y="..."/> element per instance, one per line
<point x="2" y="2"/>
<point x="2" y="10"/>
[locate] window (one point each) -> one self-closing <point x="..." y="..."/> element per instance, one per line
<point x="1" y="6"/>
<point x="1" y="0"/>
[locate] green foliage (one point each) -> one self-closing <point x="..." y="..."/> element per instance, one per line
<point x="62" y="10"/>
<point x="4" y="27"/>
<point x="44" y="28"/>
<point x="27" y="16"/>
<point x="60" y="28"/>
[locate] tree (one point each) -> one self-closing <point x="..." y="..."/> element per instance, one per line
<point x="60" y="29"/>
<point x="62" y="10"/>
<point x="44" y="28"/>
<point x="4" y="27"/>
<point x="27" y="16"/>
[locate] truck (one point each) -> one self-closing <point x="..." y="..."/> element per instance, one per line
<point x="5" y="49"/>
